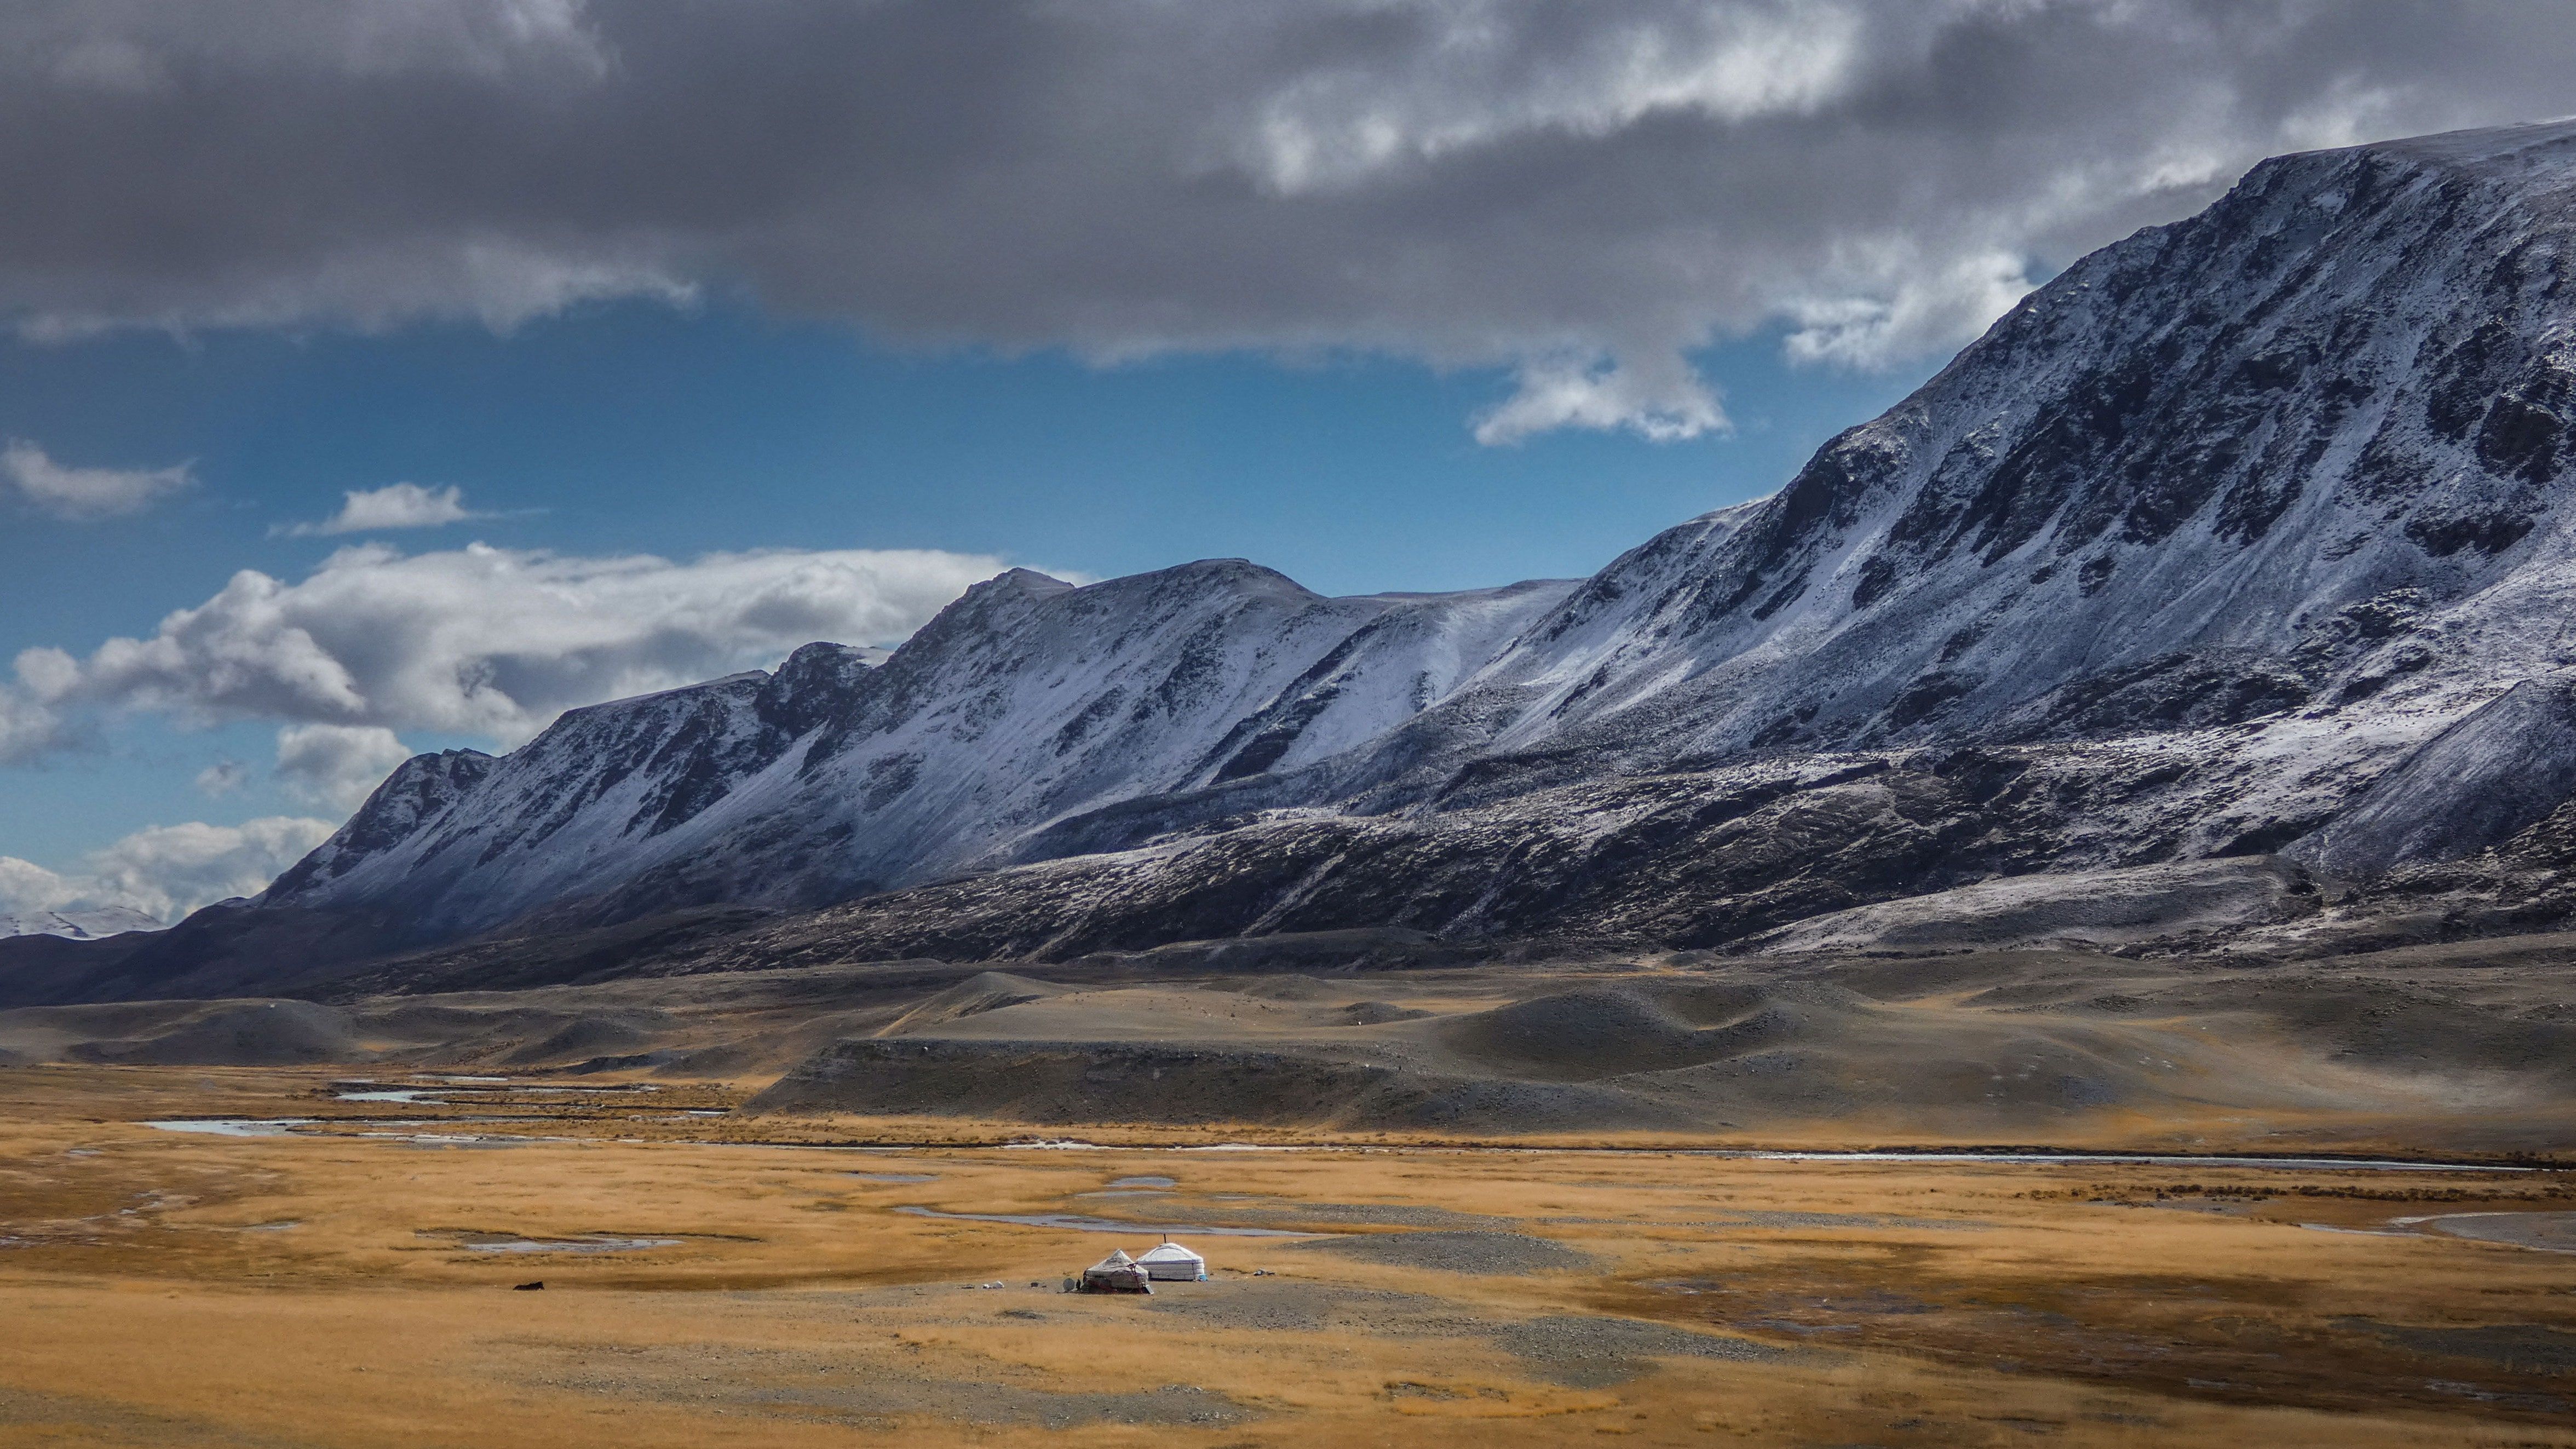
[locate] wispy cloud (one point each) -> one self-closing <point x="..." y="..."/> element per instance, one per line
<point x="1658" y="397"/>
<point x="380" y="510"/>
<point x="88" y="492"/>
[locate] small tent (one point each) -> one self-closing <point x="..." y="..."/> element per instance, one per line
<point x="1172" y="1263"/>
<point x="1116" y="1273"/>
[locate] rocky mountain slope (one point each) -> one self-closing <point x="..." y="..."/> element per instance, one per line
<point x="2247" y="535"/>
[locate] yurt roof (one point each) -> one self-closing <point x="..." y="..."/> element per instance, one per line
<point x="1170" y="1253"/>
<point x="1117" y="1259"/>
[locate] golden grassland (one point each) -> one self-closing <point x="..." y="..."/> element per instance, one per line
<point x="322" y="1288"/>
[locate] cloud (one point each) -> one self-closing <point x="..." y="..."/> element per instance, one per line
<point x="84" y="493"/>
<point x="222" y="778"/>
<point x="337" y="765"/>
<point x="26" y="886"/>
<point x="166" y="871"/>
<point x="396" y="505"/>
<point x="1657" y="397"/>
<point x="27" y="729"/>
<point x="1921" y="303"/>
<point x="490" y="641"/>
<point x="1579" y="194"/>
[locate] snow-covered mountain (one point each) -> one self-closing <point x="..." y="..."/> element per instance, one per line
<point x="2252" y="532"/>
<point x="1026" y="702"/>
<point x="2303" y="458"/>
<point x="81" y="923"/>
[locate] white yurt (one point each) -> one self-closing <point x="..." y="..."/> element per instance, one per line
<point x="1172" y="1263"/>
<point x="1116" y="1273"/>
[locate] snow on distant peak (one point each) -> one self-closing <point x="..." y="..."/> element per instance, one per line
<point x="77" y="924"/>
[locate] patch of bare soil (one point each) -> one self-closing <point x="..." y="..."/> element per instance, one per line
<point x="2237" y="1340"/>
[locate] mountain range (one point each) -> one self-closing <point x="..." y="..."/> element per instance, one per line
<point x="2238" y="558"/>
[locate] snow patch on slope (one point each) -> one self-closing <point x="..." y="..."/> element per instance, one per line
<point x="77" y="924"/>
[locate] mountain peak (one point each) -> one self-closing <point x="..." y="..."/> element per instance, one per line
<point x="1215" y="575"/>
<point x="2228" y="521"/>
<point x="2531" y="146"/>
<point x="1027" y="581"/>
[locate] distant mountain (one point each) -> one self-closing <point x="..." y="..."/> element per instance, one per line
<point x="2247" y="535"/>
<point x="79" y="924"/>
<point x="1025" y="703"/>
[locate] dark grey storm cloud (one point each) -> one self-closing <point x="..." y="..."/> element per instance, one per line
<point x="1580" y="191"/>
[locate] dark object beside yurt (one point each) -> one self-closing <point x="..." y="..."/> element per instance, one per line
<point x="1116" y="1273"/>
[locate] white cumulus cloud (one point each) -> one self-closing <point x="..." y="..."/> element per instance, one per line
<point x="166" y="871"/>
<point x="26" y="886"/>
<point x="83" y="493"/>
<point x="396" y="505"/>
<point x="491" y="641"/>
<point x="337" y="765"/>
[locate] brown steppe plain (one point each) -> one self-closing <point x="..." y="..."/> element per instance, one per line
<point x="739" y="1280"/>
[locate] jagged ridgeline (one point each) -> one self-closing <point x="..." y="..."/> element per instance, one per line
<point x="2246" y="536"/>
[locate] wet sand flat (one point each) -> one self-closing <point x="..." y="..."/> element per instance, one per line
<point x="333" y="1284"/>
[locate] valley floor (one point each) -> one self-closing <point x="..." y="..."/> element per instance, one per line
<point x="348" y="1280"/>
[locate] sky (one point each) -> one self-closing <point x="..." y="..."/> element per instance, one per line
<point x="392" y="375"/>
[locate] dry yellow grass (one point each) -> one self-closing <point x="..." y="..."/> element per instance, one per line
<point x="150" y="1294"/>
